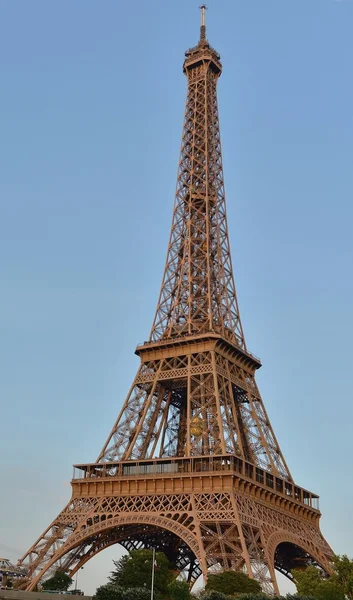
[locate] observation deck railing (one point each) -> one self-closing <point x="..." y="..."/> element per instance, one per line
<point x="160" y="467"/>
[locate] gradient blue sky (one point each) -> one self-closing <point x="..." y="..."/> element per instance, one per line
<point x="92" y="100"/>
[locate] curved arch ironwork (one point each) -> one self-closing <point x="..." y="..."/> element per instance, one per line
<point x="87" y="533"/>
<point x="308" y="553"/>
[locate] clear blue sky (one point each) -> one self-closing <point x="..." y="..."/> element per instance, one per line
<point x="92" y="101"/>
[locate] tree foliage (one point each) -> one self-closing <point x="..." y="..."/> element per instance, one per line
<point x="232" y="582"/>
<point x="110" y="591"/>
<point x="136" y="594"/>
<point x="254" y="597"/>
<point x="311" y="582"/>
<point x="307" y="580"/>
<point x="116" y="575"/>
<point x="343" y="574"/>
<point x="179" y="590"/>
<point x="135" y="571"/>
<point x="297" y="597"/>
<point x="60" y="581"/>
<point x="213" y="595"/>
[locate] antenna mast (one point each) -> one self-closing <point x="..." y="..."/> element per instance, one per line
<point x="203" y="8"/>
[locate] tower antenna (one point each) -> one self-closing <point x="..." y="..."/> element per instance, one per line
<point x="203" y="9"/>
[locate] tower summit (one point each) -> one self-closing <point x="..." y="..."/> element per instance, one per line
<point x="192" y="466"/>
<point x="203" y="23"/>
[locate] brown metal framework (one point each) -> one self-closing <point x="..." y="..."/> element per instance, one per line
<point x="192" y="465"/>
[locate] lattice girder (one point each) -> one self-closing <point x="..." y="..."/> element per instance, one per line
<point x="197" y="403"/>
<point x="192" y="465"/>
<point x="198" y="531"/>
<point x="198" y="292"/>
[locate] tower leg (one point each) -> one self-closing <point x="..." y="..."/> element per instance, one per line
<point x="230" y="543"/>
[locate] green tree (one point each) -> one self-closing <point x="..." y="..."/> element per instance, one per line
<point x="330" y="590"/>
<point x="311" y="582"/>
<point x="232" y="582"/>
<point x="213" y="595"/>
<point x="60" y="581"/>
<point x="307" y="580"/>
<point x="136" y="569"/>
<point x="265" y="597"/>
<point x="116" y="575"/>
<point x="109" y="591"/>
<point x="254" y="597"/>
<point x="296" y="597"/>
<point x="179" y="590"/>
<point x="136" y="594"/>
<point x="343" y="574"/>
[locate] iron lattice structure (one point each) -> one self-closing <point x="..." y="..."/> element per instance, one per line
<point x="192" y="466"/>
<point x="9" y="572"/>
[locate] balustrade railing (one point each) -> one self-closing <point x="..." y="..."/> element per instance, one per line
<point x="163" y="466"/>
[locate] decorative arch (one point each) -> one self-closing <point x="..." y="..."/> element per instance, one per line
<point x="85" y="533"/>
<point x="276" y="539"/>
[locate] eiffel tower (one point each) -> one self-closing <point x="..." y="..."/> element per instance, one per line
<point x="192" y="466"/>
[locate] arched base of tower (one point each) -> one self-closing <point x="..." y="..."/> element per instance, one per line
<point x="67" y="547"/>
<point x="201" y="520"/>
<point x="137" y="537"/>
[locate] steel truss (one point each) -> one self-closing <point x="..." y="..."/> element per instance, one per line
<point x="192" y="466"/>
